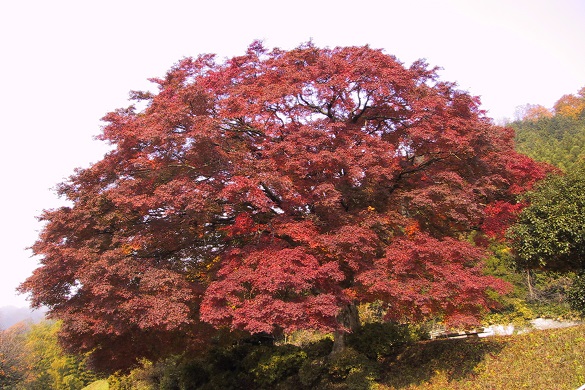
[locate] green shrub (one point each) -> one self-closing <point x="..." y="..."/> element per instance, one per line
<point x="140" y="378"/>
<point x="241" y="366"/>
<point x="312" y="371"/>
<point x="514" y="311"/>
<point x="319" y="348"/>
<point x="376" y="340"/>
<point x="192" y="374"/>
<point x="276" y="367"/>
<point x="347" y="369"/>
<point x="576" y="294"/>
<point x="351" y="366"/>
<point x="225" y="367"/>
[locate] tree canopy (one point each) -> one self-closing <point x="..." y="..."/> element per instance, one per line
<point x="272" y="192"/>
<point x="550" y="233"/>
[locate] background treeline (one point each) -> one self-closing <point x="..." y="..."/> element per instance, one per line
<point x="30" y="356"/>
<point x="554" y="136"/>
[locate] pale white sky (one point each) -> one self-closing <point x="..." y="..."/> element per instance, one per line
<point x="65" y="64"/>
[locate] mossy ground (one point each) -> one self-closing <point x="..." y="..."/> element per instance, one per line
<point x="547" y="359"/>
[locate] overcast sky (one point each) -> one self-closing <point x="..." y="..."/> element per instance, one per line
<point x="65" y="64"/>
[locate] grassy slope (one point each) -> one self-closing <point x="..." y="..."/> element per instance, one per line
<point x="98" y="385"/>
<point x="552" y="359"/>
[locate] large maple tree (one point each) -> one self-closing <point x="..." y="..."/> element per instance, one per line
<point x="275" y="191"/>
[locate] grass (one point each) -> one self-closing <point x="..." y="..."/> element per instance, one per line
<point x="551" y="359"/>
<point x="98" y="385"/>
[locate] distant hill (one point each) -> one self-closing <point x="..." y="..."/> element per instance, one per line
<point x="10" y="315"/>
<point x="558" y="140"/>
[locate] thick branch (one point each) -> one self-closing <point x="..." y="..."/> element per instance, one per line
<point x="270" y="194"/>
<point x="320" y="110"/>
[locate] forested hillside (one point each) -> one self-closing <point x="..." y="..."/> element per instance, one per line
<point x="555" y="136"/>
<point x="547" y="240"/>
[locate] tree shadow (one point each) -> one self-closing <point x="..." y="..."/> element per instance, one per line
<point x="420" y="362"/>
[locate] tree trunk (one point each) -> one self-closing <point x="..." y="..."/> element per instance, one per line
<point x="349" y="320"/>
<point x="529" y="282"/>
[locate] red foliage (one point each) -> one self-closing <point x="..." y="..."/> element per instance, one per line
<point x="499" y="216"/>
<point x="421" y="276"/>
<point x="275" y="287"/>
<point x="269" y="191"/>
